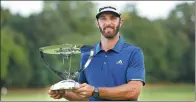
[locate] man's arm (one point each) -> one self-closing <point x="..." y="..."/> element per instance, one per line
<point x="71" y="96"/>
<point x="128" y="91"/>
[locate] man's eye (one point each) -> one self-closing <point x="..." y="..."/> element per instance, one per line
<point x="102" y="18"/>
<point x="113" y="18"/>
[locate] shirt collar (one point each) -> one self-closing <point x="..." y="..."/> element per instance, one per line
<point x="116" y="48"/>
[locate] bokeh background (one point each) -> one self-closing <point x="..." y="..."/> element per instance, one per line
<point x="168" y="43"/>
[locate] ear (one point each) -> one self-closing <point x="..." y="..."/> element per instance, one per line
<point x="121" y="21"/>
<point x="96" y="23"/>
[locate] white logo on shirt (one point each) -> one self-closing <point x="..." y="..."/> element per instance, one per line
<point x="119" y="62"/>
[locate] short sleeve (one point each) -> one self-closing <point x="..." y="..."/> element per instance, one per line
<point x="136" y="67"/>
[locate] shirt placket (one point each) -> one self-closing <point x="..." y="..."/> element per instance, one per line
<point x="105" y="60"/>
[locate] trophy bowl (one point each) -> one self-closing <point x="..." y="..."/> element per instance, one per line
<point x="66" y="51"/>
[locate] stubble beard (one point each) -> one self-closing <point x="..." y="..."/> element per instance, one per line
<point x="112" y="35"/>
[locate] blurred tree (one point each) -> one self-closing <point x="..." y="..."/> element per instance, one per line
<point x="153" y="41"/>
<point x="181" y="23"/>
<point x="164" y="43"/>
<point x="14" y="63"/>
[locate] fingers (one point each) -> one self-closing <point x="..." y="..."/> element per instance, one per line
<point x="80" y="88"/>
<point x="51" y="92"/>
<point x="82" y="94"/>
<point x="84" y="90"/>
<point x="83" y="85"/>
<point x="56" y="94"/>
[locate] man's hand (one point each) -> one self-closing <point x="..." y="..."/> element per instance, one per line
<point x="56" y="94"/>
<point x="67" y="94"/>
<point x="84" y="90"/>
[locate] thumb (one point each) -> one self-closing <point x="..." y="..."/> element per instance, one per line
<point x="83" y="85"/>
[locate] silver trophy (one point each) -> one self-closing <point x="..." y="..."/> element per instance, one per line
<point x="66" y="51"/>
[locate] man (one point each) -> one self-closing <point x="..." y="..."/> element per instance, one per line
<point x="116" y="71"/>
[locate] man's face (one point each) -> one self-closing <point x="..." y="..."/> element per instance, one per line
<point x="109" y="24"/>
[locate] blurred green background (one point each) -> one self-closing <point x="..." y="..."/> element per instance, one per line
<point x="168" y="45"/>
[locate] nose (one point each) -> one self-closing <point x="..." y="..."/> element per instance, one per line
<point x="108" y="22"/>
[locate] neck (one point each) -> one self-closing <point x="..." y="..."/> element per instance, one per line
<point x="107" y="44"/>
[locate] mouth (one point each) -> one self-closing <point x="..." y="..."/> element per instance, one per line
<point x="108" y="28"/>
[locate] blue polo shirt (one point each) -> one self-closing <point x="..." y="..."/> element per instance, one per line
<point x="115" y="67"/>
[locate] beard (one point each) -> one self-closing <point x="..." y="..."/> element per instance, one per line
<point x="109" y="31"/>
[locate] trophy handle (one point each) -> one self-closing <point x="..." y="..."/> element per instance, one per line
<point x="60" y="74"/>
<point x="88" y="61"/>
<point x="75" y="74"/>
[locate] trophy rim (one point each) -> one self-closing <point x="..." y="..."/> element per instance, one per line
<point x="54" y="48"/>
<point x="68" y="84"/>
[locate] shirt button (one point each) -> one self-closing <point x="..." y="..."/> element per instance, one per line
<point x="104" y="62"/>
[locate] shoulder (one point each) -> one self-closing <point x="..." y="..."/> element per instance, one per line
<point x="135" y="53"/>
<point x="85" y="48"/>
<point x="131" y="48"/>
<point x="85" y="51"/>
